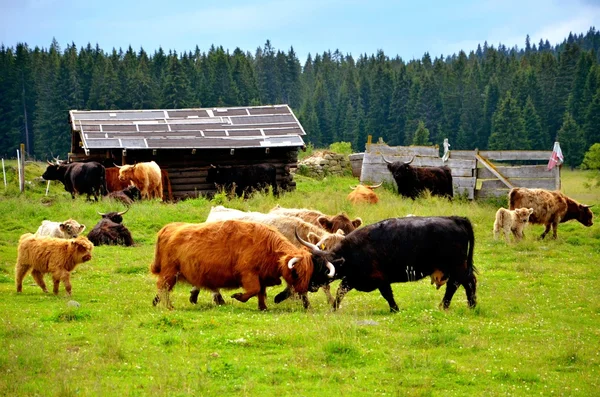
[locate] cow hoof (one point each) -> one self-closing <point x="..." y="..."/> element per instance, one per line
<point x="394" y="309"/>
<point x="155" y="300"/>
<point x="194" y="296"/>
<point x="236" y="296"/>
<point x="218" y="299"/>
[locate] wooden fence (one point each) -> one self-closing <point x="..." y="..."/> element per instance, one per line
<point x="475" y="174"/>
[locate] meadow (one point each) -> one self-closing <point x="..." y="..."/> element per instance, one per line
<point x="535" y="331"/>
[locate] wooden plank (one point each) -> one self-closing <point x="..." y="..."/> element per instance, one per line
<point x="491" y="167"/>
<point x="487" y="193"/>
<point x="458" y="172"/>
<point x="419" y="161"/>
<point x="464" y="182"/>
<point x="525" y="171"/>
<point x="523" y="155"/>
<point x="546" y="183"/>
<point x="378" y="148"/>
<point x="470" y="192"/>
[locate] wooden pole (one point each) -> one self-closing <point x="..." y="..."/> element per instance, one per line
<point x="19" y="169"/>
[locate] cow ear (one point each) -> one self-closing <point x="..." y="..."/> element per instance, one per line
<point x="325" y="222"/>
<point x="357" y="222"/>
<point x="313" y="238"/>
<point x="62" y="227"/>
<point x="81" y="228"/>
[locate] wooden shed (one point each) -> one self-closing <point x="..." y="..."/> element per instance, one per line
<point x="186" y="142"/>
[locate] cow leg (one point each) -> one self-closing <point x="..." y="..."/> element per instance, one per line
<point x="283" y="295"/>
<point x="388" y="294"/>
<point x="262" y="297"/>
<point x="327" y="291"/>
<point x="251" y="284"/>
<point x="20" y="272"/>
<point x="56" y="281"/>
<point x="451" y="287"/>
<point x="554" y="229"/>
<point x="165" y="284"/>
<point x="66" y="280"/>
<point x="194" y="295"/>
<point x="470" y="285"/>
<point x="343" y="289"/>
<point x="546" y="231"/>
<point x="39" y="279"/>
<point x="305" y="301"/>
<point x="217" y="297"/>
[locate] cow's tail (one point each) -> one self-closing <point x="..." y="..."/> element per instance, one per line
<point x="466" y="224"/>
<point x="155" y="267"/>
<point x="512" y="198"/>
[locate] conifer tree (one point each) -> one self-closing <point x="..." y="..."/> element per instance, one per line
<point x="571" y="141"/>
<point x="508" y="127"/>
<point x="533" y="127"/>
<point x="421" y="136"/>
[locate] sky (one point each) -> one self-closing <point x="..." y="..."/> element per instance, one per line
<point x="407" y="29"/>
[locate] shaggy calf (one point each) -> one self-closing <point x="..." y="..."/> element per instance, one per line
<point x="511" y="221"/>
<point x="50" y="255"/>
<point x="67" y="229"/>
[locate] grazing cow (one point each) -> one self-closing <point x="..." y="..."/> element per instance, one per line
<point x="145" y="176"/>
<point x="113" y="183"/>
<point x="511" y="221"/>
<point x="549" y="208"/>
<point x="330" y="223"/>
<point x="245" y="179"/>
<point x="127" y="196"/>
<point x="50" y="255"/>
<point x="110" y="230"/>
<point x="67" y="229"/>
<point x="412" y="181"/>
<point x="79" y="178"/>
<point x="232" y="254"/>
<point x="290" y="227"/>
<point x="406" y="249"/>
<point x="363" y="194"/>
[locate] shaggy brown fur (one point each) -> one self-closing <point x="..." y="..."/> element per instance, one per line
<point x="228" y="254"/>
<point x="511" y="221"/>
<point x="327" y="222"/>
<point x="363" y="194"/>
<point x="145" y="176"/>
<point x="550" y="208"/>
<point x="50" y="255"/>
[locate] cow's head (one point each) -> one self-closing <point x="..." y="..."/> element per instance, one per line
<point x="71" y="228"/>
<point x="339" y="221"/>
<point x="81" y="249"/>
<point x="399" y="169"/>
<point x="54" y="172"/>
<point x="126" y="172"/>
<point x="132" y="192"/>
<point x="327" y="240"/>
<point x="116" y="217"/>
<point x="324" y="265"/>
<point x="586" y="216"/>
<point x="364" y="194"/>
<point x="522" y="214"/>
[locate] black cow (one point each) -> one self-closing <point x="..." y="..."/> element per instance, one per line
<point x="398" y="250"/>
<point x="110" y="231"/>
<point x="412" y="181"/>
<point x="81" y="178"/>
<point x="245" y="178"/>
<point x="127" y="196"/>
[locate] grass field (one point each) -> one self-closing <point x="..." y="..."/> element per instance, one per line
<point x="535" y="331"/>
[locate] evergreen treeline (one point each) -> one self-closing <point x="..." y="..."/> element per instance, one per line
<point x="492" y="98"/>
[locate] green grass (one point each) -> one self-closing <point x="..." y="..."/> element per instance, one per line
<point x="535" y="330"/>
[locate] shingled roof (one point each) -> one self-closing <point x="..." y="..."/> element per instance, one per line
<point x="199" y="128"/>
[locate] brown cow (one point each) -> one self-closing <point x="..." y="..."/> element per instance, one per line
<point x="50" y="255"/>
<point x="145" y="176"/>
<point x="511" y="221"/>
<point x="232" y="254"/>
<point x="330" y="223"/>
<point x="550" y="208"/>
<point x="113" y="183"/>
<point x="363" y="194"/>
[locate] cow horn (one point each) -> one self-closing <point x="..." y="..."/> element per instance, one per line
<point x="122" y="212"/>
<point x="49" y="163"/>
<point x="588" y="206"/>
<point x="376" y="186"/>
<point x="410" y="161"/>
<point x="331" y="269"/>
<point x="100" y="213"/>
<point x="118" y="166"/>
<point x="353" y="187"/>
<point x="292" y="262"/>
<point x="386" y="160"/>
<point x="306" y="243"/>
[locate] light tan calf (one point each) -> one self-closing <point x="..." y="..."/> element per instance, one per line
<point x="511" y="221"/>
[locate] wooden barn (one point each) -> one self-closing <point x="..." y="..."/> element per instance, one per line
<point x="186" y="142"/>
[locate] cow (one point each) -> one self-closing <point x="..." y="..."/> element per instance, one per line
<point x="511" y="221"/>
<point x="113" y="183"/>
<point x="50" y="255"/>
<point x="67" y="229"/>
<point x="243" y="179"/>
<point x="110" y="230"/>
<point x="330" y="223"/>
<point x="412" y="181"/>
<point x="232" y="254"/>
<point x="398" y="250"/>
<point x="127" y="196"/>
<point x="363" y="194"/>
<point x="145" y="176"/>
<point x="79" y="178"/>
<point x="290" y="227"/>
<point x="549" y="208"/>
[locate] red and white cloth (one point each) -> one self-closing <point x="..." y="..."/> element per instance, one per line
<point x="556" y="158"/>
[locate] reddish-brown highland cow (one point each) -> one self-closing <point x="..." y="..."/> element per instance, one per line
<point x="363" y="194"/>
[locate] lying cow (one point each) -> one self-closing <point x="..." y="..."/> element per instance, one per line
<point x="110" y="230"/>
<point x="50" y="255"/>
<point x="232" y="254"/>
<point x="290" y="227"/>
<point x="511" y="221"/>
<point x="363" y="194"/>
<point x="398" y="250"/>
<point x="549" y="208"/>
<point x="330" y="223"/>
<point x="127" y="196"/>
<point x="67" y="229"/>
<point x="413" y="181"/>
<point x="145" y="176"/>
